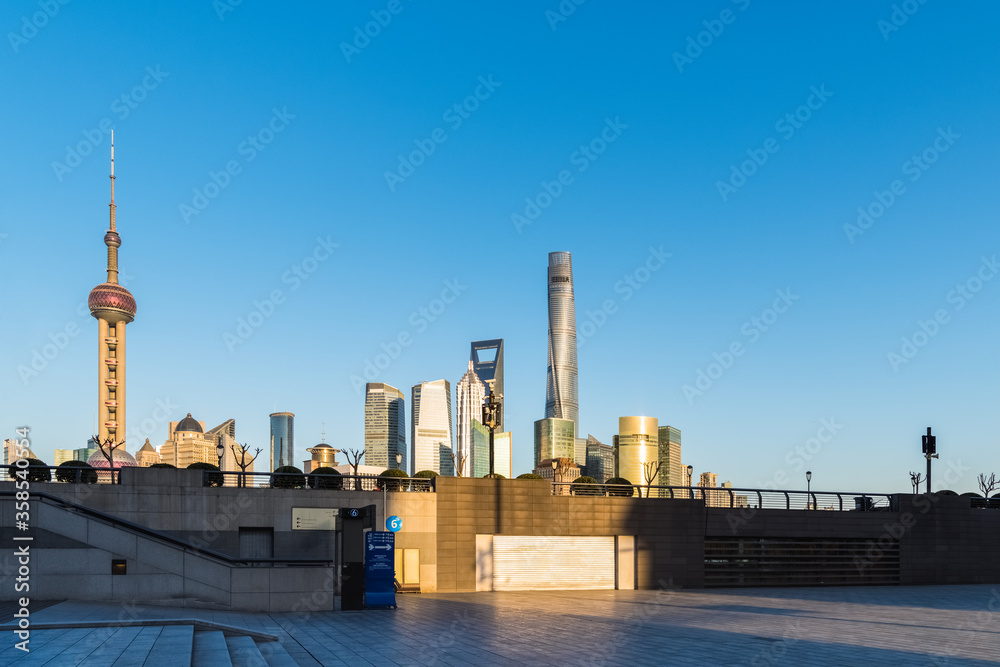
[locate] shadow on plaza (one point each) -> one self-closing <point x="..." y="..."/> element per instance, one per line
<point x="959" y="597"/>
<point x="517" y="626"/>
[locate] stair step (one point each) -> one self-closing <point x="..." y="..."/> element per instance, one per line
<point x="172" y="646"/>
<point x="210" y="649"/>
<point x="243" y="652"/>
<point x="275" y="655"/>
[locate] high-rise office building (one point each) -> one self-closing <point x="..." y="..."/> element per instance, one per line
<point x="61" y="456"/>
<point x="430" y="427"/>
<point x="554" y="439"/>
<point x="502" y="446"/>
<point x="84" y="453"/>
<point x="113" y="306"/>
<point x="600" y="460"/>
<point x="282" y="440"/>
<point x="469" y="395"/>
<point x="385" y="426"/>
<point x="487" y="361"/>
<point x="637" y="450"/>
<point x="561" y="392"/>
<point x="671" y="473"/>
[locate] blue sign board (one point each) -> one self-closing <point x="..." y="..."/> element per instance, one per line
<point x="393" y="523"/>
<point x="380" y="569"/>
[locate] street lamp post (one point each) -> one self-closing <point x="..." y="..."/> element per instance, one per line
<point x="399" y="460"/>
<point x="809" y="477"/>
<point x="491" y="419"/>
<point x="691" y="481"/>
<point x="929" y="446"/>
<point x="555" y="465"/>
<point x="221" y="451"/>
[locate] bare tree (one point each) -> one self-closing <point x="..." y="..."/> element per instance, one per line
<point x="107" y="449"/>
<point x="916" y="479"/>
<point x="987" y="484"/>
<point x="354" y="457"/>
<point x="243" y="463"/>
<point x="458" y="462"/>
<point x="649" y="472"/>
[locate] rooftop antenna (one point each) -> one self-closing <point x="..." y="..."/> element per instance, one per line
<point x="324" y="433"/>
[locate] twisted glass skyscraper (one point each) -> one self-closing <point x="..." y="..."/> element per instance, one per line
<point x="561" y="394"/>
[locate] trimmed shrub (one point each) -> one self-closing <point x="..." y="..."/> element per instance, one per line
<point x="68" y="470"/>
<point x="334" y="481"/>
<point x="163" y="465"/>
<point x="288" y="477"/>
<point x="390" y="479"/>
<point x="586" y="486"/>
<point x="36" y="471"/>
<point x="216" y="479"/>
<point x="529" y="475"/>
<point x="426" y="474"/>
<point x="620" y="491"/>
<point x="495" y="476"/>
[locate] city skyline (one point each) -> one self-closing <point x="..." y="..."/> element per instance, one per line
<point x="789" y="259"/>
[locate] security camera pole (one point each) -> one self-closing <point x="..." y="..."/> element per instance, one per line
<point x="929" y="443"/>
<point x="491" y="419"/>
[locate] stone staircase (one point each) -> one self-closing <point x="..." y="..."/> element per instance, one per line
<point x="148" y="646"/>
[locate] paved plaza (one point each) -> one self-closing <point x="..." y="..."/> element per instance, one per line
<point x="927" y="625"/>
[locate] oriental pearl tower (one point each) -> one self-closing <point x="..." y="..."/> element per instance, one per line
<point x="114" y="307"/>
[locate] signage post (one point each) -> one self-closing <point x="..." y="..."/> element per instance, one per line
<point x="380" y="572"/>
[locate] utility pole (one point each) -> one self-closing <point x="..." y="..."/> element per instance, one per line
<point x="491" y="419"/>
<point x="929" y="445"/>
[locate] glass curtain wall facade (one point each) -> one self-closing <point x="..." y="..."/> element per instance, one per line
<point x="469" y="394"/>
<point x="600" y="460"/>
<point x="671" y="473"/>
<point x="487" y="361"/>
<point x="561" y="392"/>
<point x="554" y="439"/>
<point x="637" y="449"/>
<point x="385" y="426"/>
<point x="282" y="440"/>
<point x="430" y="427"/>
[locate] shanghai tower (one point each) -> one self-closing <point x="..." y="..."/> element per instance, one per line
<point x="561" y="396"/>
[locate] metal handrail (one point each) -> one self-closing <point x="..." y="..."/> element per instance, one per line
<point x="736" y="497"/>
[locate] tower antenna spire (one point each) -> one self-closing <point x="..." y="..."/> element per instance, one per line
<point x="112" y="180"/>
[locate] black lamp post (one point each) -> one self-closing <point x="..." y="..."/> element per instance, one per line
<point x="399" y="460"/>
<point x="691" y="481"/>
<point x="491" y="419"/>
<point x="221" y="451"/>
<point x="809" y="477"/>
<point x="555" y="466"/>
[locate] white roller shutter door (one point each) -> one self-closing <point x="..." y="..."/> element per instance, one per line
<point x="528" y="563"/>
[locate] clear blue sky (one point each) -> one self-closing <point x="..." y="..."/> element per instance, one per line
<point x="342" y="121"/>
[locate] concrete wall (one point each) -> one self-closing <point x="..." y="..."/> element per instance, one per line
<point x="419" y="531"/>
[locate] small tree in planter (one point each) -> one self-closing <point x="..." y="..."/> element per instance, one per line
<point x="335" y="480"/>
<point x="69" y="471"/>
<point x="620" y="491"/>
<point x="288" y="477"/>
<point x="389" y="479"/>
<point x="585" y="486"/>
<point x="529" y="475"/>
<point x="163" y="465"/>
<point x="215" y="478"/>
<point x="37" y="471"/>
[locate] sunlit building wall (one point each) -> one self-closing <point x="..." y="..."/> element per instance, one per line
<point x="430" y="427"/>
<point x="637" y="449"/>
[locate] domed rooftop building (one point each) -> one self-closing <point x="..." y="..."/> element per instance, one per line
<point x="122" y="460"/>
<point x="147" y="455"/>
<point x="323" y="456"/>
